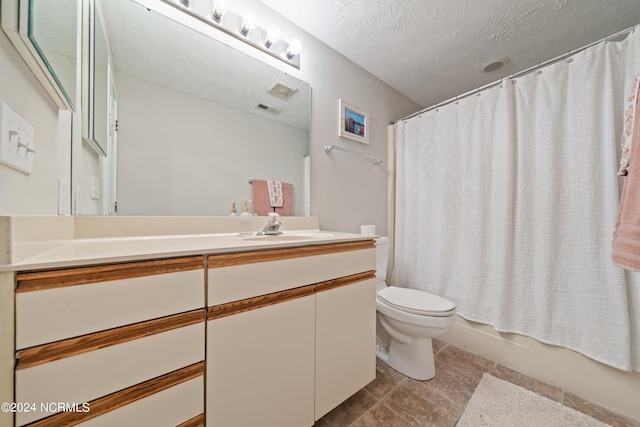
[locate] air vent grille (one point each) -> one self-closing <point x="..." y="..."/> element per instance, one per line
<point x="268" y="109"/>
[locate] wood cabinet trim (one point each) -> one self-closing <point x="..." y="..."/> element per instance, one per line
<point x="70" y="347"/>
<point x="241" y="258"/>
<point x="235" y="307"/>
<point x="197" y="421"/>
<point x="123" y="397"/>
<point x="344" y="281"/>
<point x="49" y="279"/>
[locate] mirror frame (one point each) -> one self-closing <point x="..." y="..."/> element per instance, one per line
<point x="89" y="77"/>
<point x="15" y="23"/>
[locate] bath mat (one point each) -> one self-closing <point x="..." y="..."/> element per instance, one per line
<point x="498" y="403"/>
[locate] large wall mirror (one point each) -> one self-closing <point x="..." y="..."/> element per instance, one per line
<point x="45" y="33"/>
<point x="198" y="120"/>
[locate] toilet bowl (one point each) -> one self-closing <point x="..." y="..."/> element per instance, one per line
<point x="407" y="321"/>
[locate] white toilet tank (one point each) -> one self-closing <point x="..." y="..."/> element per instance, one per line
<point x="382" y="260"/>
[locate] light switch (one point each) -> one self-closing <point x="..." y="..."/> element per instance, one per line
<point x="16" y="141"/>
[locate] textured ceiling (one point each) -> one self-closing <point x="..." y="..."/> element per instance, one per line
<point x="433" y="50"/>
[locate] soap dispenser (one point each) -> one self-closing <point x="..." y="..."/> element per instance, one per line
<point x="245" y="220"/>
<point x="233" y="211"/>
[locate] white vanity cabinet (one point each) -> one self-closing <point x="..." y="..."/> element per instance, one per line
<point x="290" y="332"/>
<point x="119" y="344"/>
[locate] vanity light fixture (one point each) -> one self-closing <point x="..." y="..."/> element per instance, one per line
<point x="242" y="27"/>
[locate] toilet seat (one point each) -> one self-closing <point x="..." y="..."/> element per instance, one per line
<point x="416" y="302"/>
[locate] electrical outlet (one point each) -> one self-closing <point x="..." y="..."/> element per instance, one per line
<point x="78" y="197"/>
<point x="16" y="141"/>
<point x="95" y="188"/>
<point x="64" y="197"/>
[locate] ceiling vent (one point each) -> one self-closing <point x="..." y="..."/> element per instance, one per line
<point x="280" y="89"/>
<point x="268" y="109"/>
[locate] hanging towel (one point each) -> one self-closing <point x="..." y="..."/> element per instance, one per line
<point x="275" y="193"/>
<point x="627" y="132"/>
<point x="626" y="237"/>
<point x="262" y="203"/>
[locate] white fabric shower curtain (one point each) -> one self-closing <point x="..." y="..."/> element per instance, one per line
<point x="506" y="202"/>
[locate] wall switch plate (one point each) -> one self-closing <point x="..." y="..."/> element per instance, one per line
<point x="16" y="141"/>
<point x="64" y="197"/>
<point x="95" y="188"/>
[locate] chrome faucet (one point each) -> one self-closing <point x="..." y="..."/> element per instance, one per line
<point x="273" y="226"/>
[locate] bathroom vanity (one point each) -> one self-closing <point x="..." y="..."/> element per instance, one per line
<point x="189" y="329"/>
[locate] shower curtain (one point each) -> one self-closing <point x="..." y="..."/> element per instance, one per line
<point x="506" y="201"/>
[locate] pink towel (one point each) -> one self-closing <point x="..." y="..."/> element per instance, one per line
<point x="262" y="204"/>
<point x="626" y="237"/>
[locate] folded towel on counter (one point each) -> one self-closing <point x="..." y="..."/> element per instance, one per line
<point x="262" y="202"/>
<point x="626" y="237"/>
<point x="275" y="193"/>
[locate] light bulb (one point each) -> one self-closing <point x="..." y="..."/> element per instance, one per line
<point x="248" y="22"/>
<point x="218" y="9"/>
<point x="294" y="48"/>
<point x="273" y="36"/>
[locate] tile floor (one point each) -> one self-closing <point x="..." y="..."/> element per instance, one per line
<point x="393" y="400"/>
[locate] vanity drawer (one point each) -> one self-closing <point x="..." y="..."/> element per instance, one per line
<point x="56" y="305"/>
<point x="240" y="276"/>
<point x="171" y="407"/>
<point x="93" y="374"/>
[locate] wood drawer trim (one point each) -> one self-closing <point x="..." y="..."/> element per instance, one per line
<point x="344" y="281"/>
<point x="70" y="347"/>
<point x="124" y="397"/>
<point x="261" y="301"/>
<point x="228" y="260"/>
<point x="49" y="279"/>
<point x="253" y="303"/>
<point x="197" y="421"/>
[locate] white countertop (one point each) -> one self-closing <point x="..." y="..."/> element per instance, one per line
<point x="88" y="251"/>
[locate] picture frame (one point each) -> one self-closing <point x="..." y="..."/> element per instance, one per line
<point x="353" y="123"/>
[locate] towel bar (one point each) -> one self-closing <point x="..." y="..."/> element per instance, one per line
<point x="328" y="148"/>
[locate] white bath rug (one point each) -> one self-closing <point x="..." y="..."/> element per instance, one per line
<point x="498" y="403"/>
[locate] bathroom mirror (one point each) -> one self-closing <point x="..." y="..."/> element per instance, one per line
<point x="197" y="119"/>
<point x="45" y="33"/>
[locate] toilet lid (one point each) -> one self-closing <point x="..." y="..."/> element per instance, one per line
<point x="416" y="301"/>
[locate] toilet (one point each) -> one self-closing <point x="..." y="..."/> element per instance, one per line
<point x="407" y="321"/>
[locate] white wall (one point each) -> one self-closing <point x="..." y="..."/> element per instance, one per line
<point x="188" y="175"/>
<point x="37" y="193"/>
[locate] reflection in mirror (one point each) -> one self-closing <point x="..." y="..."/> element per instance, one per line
<point x="45" y="33"/>
<point x="199" y="119"/>
<point x="99" y="112"/>
<point x="96" y="87"/>
<point x="53" y="30"/>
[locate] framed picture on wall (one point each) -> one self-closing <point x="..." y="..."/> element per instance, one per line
<point x="354" y="123"/>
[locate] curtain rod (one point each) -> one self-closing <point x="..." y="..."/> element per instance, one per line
<point x="516" y="75"/>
